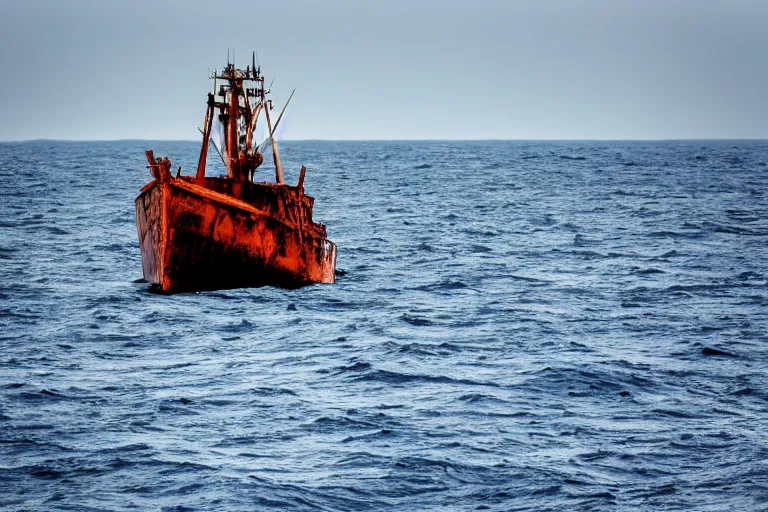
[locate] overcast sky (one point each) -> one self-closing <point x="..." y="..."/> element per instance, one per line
<point x="395" y="69"/>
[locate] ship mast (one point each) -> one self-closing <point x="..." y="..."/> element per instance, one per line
<point x="236" y="115"/>
<point x="200" y="175"/>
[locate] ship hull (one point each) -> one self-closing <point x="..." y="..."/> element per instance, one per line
<point x="194" y="238"/>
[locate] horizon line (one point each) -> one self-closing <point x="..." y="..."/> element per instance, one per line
<point x="681" y="139"/>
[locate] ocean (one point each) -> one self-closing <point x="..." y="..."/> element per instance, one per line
<point x="558" y="326"/>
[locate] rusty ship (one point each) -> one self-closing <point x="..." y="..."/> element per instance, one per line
<point x="205" y="233"/>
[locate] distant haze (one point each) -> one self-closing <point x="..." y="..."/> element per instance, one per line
<point x="396" y="69"/>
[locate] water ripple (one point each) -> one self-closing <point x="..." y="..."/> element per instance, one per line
<point x="515" y="326"/>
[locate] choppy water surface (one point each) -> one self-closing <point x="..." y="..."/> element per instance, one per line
<point x="521" y="326"/>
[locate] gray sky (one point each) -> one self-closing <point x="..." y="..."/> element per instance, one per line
<point x="395" y="69"/>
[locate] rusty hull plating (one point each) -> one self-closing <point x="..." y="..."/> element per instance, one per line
<point x="203" y="233"/>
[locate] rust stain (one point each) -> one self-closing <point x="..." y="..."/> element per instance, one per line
<point x="202" y="233"/>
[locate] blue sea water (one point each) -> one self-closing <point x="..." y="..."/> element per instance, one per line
<point x="519" y="326"/>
